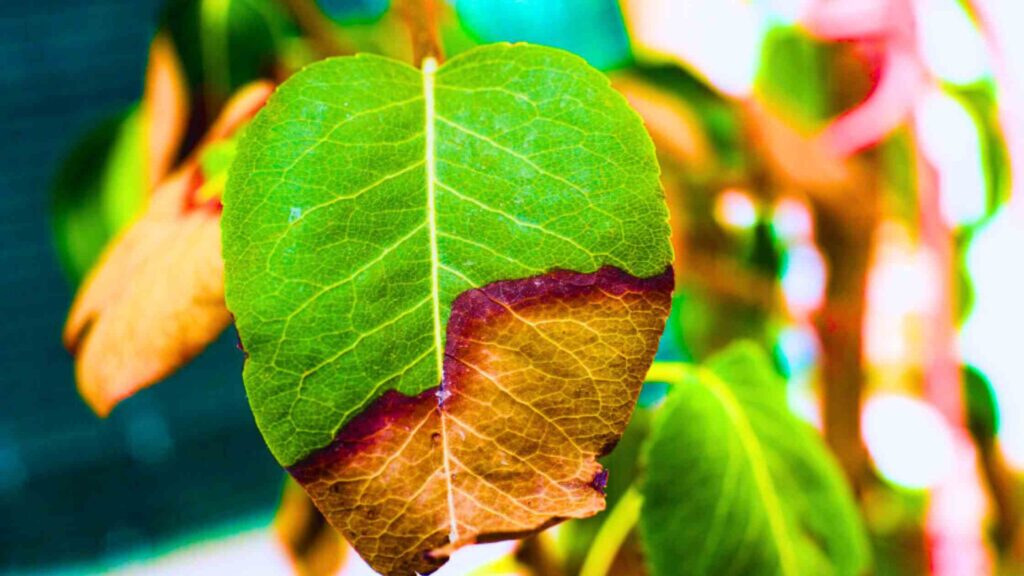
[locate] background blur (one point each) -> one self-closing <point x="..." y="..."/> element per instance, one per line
<point x="842" y="181"/>
<point x="74" y="489"/>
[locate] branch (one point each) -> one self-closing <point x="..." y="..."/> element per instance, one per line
<point x="421" y="17"/>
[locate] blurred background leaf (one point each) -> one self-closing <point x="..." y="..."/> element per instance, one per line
<point x="734" y="483"/>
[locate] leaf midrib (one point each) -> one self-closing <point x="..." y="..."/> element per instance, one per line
<point x="758" y="463"/>
<point x="429" y="72"/>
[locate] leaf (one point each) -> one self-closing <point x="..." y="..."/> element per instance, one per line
<point x="737" y="485"/>
<point x="105" y="180"/>
<point x="80" y="227"/>
<point x="156" y="298"/>
<point x="165" y="109"/>
<point x="497" y="221"/>
<point x="577" y="537"/>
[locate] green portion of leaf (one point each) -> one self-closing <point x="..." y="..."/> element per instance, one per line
<point x="124" y="188"/>
<point x="982" y="408"/>
<point x="737" y="485"/>
<point x="79" y="229"/>
<point x="367" y="195"/>
<point x="98" y="190"/>
<point x="793" y="74"/>
<point x="218" y="156"/>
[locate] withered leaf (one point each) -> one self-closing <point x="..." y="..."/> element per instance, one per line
<point x="156" y="297"/>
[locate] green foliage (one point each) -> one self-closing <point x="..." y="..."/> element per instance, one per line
<point x="367" y="195"/>
<point x="98" y="190"/>
<point x="793" y="74"/>
<point x="736" y="484"/>
<point x="623" y="466"/>
<point x="224" y="44"/>
<point x="981" y="407"/>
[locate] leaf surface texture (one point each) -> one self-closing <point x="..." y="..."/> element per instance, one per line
<point x="449" y="283"/>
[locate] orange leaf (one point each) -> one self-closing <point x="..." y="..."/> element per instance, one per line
<point x="534" y="393"/>
<point x="165" y="108"/>
<point x="156" y="297"/>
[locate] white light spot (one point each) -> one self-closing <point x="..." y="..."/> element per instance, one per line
<point x="792" y="220"/>
<point x="909" y="442"/>
<point x="992" y="335"/>
<point x="294" y="214"/>
<point x="949" y="42"/>
<point x="951" y="141"/>
<point x="803" y="279"/>
<point x="719" y="39"/>
<point x="735" y="209"/>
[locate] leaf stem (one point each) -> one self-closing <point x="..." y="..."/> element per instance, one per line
<point x="612" y="534"/>
<point x="421" y="17"/>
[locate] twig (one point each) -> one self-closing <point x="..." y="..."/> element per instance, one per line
<point x="421" y="17"/>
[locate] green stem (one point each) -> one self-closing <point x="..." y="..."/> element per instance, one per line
<point x="612" y="534"/>
<point x="626" y="513"/>
<point x="667" y="372"/>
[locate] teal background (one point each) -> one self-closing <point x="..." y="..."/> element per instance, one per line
<point x="180" y="457"/>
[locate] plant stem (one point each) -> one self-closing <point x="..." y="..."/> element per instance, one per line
<point x="421" y="17"/>
<point x="612" y="534"/>
<point x="667" y="372"/>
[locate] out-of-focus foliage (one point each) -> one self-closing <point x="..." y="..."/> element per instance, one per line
<point x="313" y="546"/>
<point x="734" y="483"/>
<point x="840" y="181"/>
<point x="156" y="297"/>
<point x="225" y="44"/>
<point x="98" y="189"/>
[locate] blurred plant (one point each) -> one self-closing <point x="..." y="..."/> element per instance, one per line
<point x="829" y="167"/>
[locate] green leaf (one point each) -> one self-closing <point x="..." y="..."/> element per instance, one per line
<point x="98" y="189"/>
<point x="367" y="196"/>
<point x="401" y="245"/>
<point x="124" y="188"/>
<point x="737" y="485"/>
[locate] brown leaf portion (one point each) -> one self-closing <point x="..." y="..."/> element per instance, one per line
<point x="156" y="297"/>
<point x="540" y="378"/>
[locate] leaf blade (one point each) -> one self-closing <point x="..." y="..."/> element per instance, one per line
<point x="726" y="448"/>
<point x="380" y="196"/>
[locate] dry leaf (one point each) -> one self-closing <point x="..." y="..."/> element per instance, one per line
<point x="165" y="108"/>
<point x="156" y="297"/>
